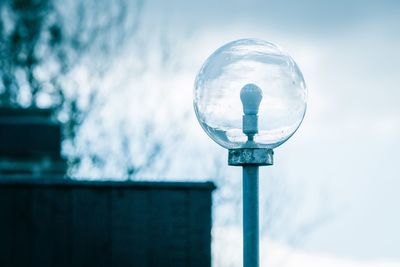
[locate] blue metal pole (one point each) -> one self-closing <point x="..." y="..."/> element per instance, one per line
<point x="250" y="216"/>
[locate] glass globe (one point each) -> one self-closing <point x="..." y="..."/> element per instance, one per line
<point x="275" y="86"/>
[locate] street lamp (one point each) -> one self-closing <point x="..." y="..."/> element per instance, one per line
<point x="250" y="97"/>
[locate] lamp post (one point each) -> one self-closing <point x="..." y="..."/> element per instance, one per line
<point x="250" y="97"/>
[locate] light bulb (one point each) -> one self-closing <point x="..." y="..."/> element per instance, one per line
<point x="251" y="96"/>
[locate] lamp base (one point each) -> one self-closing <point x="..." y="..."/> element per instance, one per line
<point x="250" y="156"/>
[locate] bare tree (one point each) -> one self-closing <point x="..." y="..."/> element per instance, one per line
<point x="44" y="44"/>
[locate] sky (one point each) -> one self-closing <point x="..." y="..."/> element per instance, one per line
<point x="341" y="166"/>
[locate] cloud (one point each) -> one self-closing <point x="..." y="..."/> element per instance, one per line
<point x="227" y="252"/>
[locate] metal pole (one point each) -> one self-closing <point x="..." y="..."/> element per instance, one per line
<point x="250" y="216"/>
<point x="250" y="159"/>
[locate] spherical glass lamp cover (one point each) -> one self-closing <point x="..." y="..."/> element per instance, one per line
<point x="252" y="63"/>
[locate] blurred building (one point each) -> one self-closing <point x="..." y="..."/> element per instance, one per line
<point x="30" y="143"/>
<point x="49" y="220"/>
<point x="56" y="222"/>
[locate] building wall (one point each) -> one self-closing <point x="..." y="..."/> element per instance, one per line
<point x="58" y="222"/>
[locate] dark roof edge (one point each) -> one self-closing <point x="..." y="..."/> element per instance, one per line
<point x="67" y="182"/>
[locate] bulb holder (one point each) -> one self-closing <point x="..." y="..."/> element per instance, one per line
<point x="250" y="156"/>
<point x="250" y="125"/>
